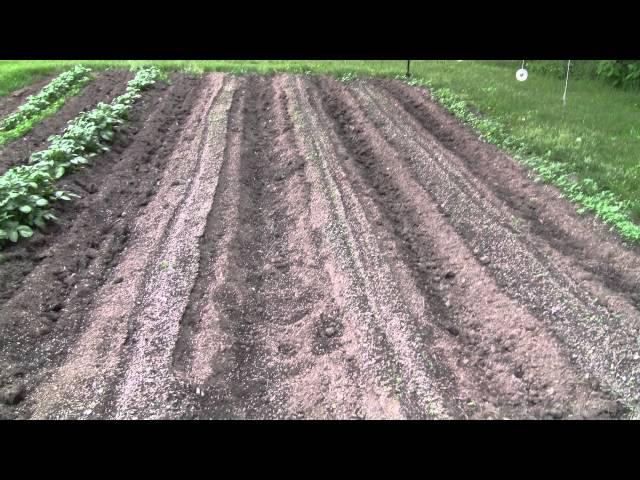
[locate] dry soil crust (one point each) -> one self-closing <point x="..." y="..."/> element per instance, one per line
<point x="293" y="247"/>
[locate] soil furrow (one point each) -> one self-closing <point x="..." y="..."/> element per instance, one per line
<point x="80" y="387"/>
<point x="353" y="363"/>
<point x="386" y="306"/>
<point x="321" y="374"/>
<point x="548" y="293"/>
<point x="501" y="367"/>
<point x="538" y="208"/>
<point x="277" y="321"/>
<point x="147" y="390"/>
<point x="243" y="297"/>
<point x="233" y="361"/>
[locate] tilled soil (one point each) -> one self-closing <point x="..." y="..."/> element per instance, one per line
<point x="294" y="247"/>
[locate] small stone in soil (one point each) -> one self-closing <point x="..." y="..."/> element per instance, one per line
<point x="555" y="414"/>
<point x="84" y="292"/>
<point x="329" y="331"/>
<point x="484" y="260"/>
<point x="286" y="349"/>
<point x="44" y="330"/>
<point x="53" y="316"/>
<point x="118" y="280"/>
<point x="453" y="330"/>
<point x="57" y="307"/>
<point x="450" y="274"/>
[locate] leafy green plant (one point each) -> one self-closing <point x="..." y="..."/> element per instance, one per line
<point x="348" y="77"/>
<point x="27" y="192"/>
<point x="45" y="102"/>
<point x="621" y="73"/>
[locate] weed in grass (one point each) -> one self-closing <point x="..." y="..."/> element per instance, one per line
<point x="348" y="77"/>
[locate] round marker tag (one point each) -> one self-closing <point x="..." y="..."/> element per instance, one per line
<point x="522" y="75"/>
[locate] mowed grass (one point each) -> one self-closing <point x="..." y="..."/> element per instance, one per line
<point x="597" y="134"/>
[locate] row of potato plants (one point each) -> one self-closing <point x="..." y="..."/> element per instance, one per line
<point x="27" y="192"/>
<point x="55" y="90"/>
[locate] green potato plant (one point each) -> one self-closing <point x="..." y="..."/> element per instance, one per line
<point x="27" y="192"/>
<point x="45" y="98"/>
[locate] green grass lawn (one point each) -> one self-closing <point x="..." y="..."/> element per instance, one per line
<point x="595" y="137"/>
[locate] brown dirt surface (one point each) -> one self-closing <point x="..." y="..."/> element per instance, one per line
<point x="295" y="247"/>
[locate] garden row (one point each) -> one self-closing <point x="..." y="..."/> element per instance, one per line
<point x="28" y="191"/>
<point x="44" y="103"/>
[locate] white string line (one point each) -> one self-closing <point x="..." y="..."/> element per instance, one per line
<point x="566" y="82"/>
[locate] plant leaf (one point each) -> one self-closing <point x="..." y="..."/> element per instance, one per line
<point x="25" y="231"/>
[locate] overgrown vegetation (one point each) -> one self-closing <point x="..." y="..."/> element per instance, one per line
<point x="27" y="192"/>
<point x="621" y="73"/>
<point x="46" y="102"/>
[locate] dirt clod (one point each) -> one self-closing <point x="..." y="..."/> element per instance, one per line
<point x="13" y="395"/>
